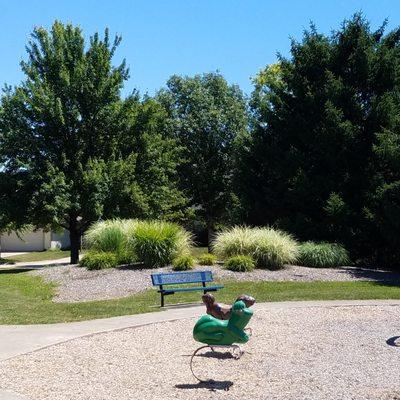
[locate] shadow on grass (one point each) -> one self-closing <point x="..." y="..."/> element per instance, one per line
<point x="6" y="261"/>
<point x="15" y="270"/>
<point x="210" y="385"/>
<point x="392" y="283"/>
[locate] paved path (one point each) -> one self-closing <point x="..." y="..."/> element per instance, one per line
<point x="22" y="339"/>
<point x="28" y="265"/>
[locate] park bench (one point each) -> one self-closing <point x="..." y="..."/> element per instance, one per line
<point x="165" y="281"/>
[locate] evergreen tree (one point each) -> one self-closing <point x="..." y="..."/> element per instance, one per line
<point x="321" y="119"/>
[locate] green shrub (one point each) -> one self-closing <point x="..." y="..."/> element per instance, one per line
<point x="239" y="263"/>
<point x="157" y="243"/>
<point x="207" y="259"/>
<point x="111" y="236"/>
<point x="322" y="255"/>
<point x="268" y="247"/>
<point x="183" y="263"/>
<point x="101" y="260"/>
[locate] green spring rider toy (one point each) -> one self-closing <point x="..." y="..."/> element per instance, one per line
<point x="226" y="334"/>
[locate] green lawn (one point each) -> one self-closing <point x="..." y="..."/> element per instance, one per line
<point x="26" y="299"/>
<point x="36" y="256"/>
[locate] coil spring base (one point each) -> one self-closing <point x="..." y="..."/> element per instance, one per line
<point x="236" y="352"/>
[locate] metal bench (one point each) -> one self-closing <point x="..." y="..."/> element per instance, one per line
<point x="181" y="278"/>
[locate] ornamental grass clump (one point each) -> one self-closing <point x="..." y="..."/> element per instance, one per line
<point x="269" y="248"/>
<point x="239" y="264"/>
<point x="235" y="241"/>
<point x="157" y="243"/>
<point x="100" y="260"/>
<point x="183" y="263"/>
<point x="112" y="236"/>
<point x="273" y="248"/>
<point x="322" y="255"/>
<point x="207" y="259"/>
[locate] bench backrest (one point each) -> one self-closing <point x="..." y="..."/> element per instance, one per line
<point x="181" y="277"/>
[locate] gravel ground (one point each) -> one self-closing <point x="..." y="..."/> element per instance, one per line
<point x="335" y="353"/>
<point x="78" y="284"/>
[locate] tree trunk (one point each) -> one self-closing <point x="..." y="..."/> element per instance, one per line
<point x="210" y="235"/>
<point x="75" y="240"/>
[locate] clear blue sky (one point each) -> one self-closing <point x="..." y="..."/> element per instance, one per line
<point x="165" y="37"/>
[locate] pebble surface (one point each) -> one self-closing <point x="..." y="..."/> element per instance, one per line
<point x="77" y="284"/>
<point x="323" y="353"/>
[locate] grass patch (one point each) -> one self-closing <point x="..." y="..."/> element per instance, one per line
<point x="36" y="256"/>
<point x="26" y="299"/>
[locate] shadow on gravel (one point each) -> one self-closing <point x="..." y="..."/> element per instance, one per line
<point x="372" y="274"/>
<point x="134" y="266"/>
<point x="217" y="355"/>
<point x="394" y="341"/>
<point x="213" y="386"/>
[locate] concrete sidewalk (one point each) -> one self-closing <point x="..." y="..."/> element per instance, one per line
<point x="28" y="265"/>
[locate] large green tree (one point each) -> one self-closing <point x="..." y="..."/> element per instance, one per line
<point x="325" y="131"/>
<point x="72" y="151"/>
<point x="208" y="117"/>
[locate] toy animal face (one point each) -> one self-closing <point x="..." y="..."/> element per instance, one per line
<point x="239" y="307"/>
<point x="248" y="300"/>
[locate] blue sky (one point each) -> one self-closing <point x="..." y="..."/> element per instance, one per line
<point x="186" y="37"/>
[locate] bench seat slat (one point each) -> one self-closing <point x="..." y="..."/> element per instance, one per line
<point x="181" y="277"/>
<point x="191" y="289"/>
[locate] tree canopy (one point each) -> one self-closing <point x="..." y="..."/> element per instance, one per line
<point x="323" y="160"/>
<point x="72" y="150"/>
<point x="207" y="117"/>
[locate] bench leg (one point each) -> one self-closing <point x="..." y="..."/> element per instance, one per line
<point x="162" y="300"/>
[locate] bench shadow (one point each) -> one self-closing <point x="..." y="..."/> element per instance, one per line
<point x="212" y="385"/>
<point x="393" y="341"/>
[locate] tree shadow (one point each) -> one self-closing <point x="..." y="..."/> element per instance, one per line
<point x="6" y="261"/>
<point x="15" y="270"/>
<point x="377" y="275"/>
<point x="394" y="341"/>
<point x="211" y="385"/>
<point x="137" y="266"/>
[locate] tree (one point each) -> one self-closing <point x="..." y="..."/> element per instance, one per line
<point x="144" y="182"/>
<point x="319" y="120"/>
<point x="72" y="151"/>
<point x="206" y="116"/>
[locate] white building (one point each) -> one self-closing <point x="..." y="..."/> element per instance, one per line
<point x="38" y="240"/>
